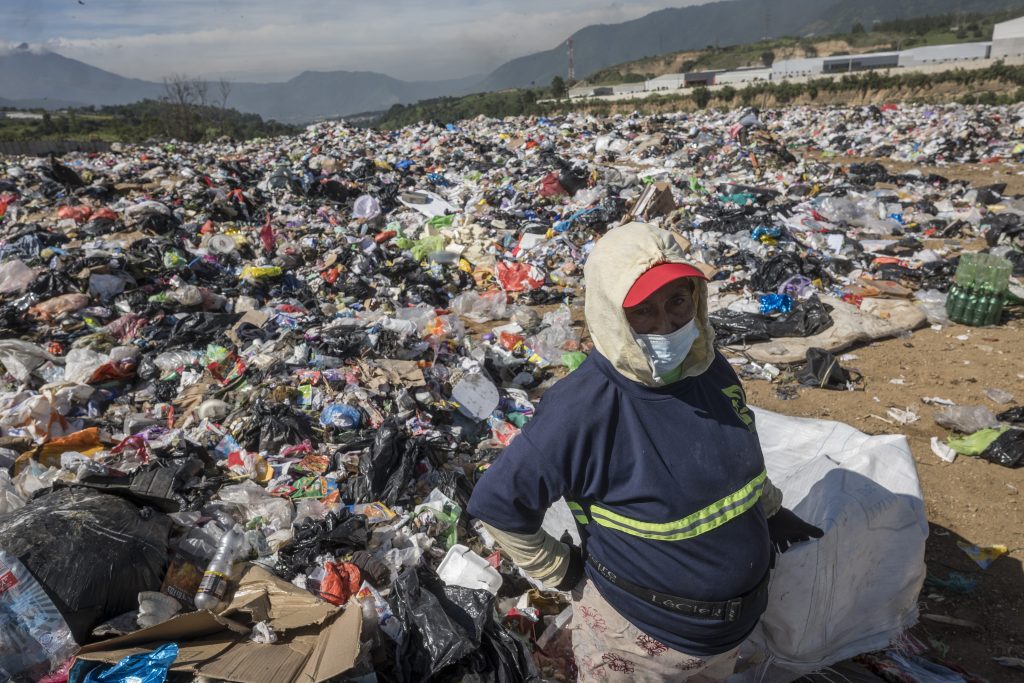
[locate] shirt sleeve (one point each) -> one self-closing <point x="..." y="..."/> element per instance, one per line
<point x="771" y="498"/>
<point x="538" y="554"/>
<point x="516" y="491"/>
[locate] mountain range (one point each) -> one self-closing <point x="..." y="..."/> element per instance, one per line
<point x="34" y="78"/>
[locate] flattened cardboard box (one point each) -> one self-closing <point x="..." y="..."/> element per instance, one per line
<point x="316" y="640"/>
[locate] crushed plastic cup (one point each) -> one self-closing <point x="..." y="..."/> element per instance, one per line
<point x="462" y="567"/>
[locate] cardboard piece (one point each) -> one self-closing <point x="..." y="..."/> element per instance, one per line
<point x="656" y="200"/>
<point x="316" y="640"/>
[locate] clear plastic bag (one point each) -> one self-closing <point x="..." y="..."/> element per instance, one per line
<point x="34" y="638"/>
<point x="481" y="306"/>
<point x="555" y="337"/>
<point x="256" y="502"/>
<point x="966" y="419"/>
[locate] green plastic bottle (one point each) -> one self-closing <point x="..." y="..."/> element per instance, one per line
<point x="955" y="301"/>
<point x="978" y="305"/>
<point x="994" y="312"/>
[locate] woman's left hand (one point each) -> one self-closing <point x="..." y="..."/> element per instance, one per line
<point x="785" y="529"/>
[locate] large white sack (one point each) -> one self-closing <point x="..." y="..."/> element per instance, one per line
<point x="855" y="589"/>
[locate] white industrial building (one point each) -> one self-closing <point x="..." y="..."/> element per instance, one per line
<point x="666" y="82"/>
<point x="1007" y="42"/>
<point x="1008" y="39"/>
<point x="743" y="76"/>
<point x="791" y="68"/>
<point x="936" y="54"/>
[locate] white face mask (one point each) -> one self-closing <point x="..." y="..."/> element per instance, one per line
<point x="666" y="352"/>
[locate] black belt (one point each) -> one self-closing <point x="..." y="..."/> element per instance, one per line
<point x="723" y="611"/>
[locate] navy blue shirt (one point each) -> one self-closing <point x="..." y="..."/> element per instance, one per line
<point x="667" y="477"/>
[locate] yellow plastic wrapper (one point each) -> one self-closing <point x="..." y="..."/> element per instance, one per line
<point x="261" y="272"/>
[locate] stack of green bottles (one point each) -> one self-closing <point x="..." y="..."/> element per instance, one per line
<point x="979" y="290"/>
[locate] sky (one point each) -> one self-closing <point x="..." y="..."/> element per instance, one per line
<point x="272" y="40"/>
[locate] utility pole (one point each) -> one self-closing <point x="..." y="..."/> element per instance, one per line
<point x="572" y="67"/>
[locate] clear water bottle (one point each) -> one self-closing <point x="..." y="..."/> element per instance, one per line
<point x="217" y="576"/>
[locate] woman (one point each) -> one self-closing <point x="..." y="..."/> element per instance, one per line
<point x="652" y="444"/>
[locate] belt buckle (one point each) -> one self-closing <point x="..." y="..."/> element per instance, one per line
<point x="733" y="608"/>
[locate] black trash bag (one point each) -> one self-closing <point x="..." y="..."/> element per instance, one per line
<point x="991" y="194"/>
<point x="823" y="371"/>
<point x="1014" y="415"/>
<point x="200" y="328"/>
<point x="374" y="570"/>
<point x="502" y="658"/>
<point x="775" y="271"/>
<point x="805" y="319"/>
<point x="386" y="467"/>
<point x="160" y="485"/>
<point x="1007" y="450"/>
<point x="92" y="553"/>
<point x="1003" y="229"/>
<point x="436" y="631"/>
<point x="337" y="534"/>
<point x="450" y="634"/>
<point x="274" y="426"/>
<point x="734" y="327"/>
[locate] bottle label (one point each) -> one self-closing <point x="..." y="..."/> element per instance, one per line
<point x="213" y="583"/>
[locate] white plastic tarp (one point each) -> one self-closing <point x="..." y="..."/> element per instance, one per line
<point x="855" y="589"/>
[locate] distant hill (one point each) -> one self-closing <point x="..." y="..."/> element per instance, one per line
<point x="718" y="23"/>
<point x="33" y="78"/>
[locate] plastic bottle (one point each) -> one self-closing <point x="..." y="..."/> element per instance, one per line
<point x="217" y="576"/>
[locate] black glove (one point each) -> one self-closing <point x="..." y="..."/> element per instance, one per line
<point x="785" y="529"/>
<point x="574" y="572"/>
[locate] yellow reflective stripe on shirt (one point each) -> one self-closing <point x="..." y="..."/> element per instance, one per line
<point x="702" y="521"/>
<point x="578" y="513"/>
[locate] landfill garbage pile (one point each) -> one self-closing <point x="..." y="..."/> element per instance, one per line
<point x="274" y="369"/>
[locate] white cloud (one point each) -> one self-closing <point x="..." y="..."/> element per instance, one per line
<point x="277" y="40"/>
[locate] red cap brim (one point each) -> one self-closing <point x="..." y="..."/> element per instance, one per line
<point x="655" y="278"/>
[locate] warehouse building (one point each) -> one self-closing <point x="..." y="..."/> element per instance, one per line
<point x="937" y="54"/>
<point x="1008" y="39"/>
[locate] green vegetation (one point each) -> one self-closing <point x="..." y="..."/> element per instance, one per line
<point x="146" y="120"/>
<point x="614" y="76"/>
<point x="906" y="87"/>
<point x="558" y="88"/>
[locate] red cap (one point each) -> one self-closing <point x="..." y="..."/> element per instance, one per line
<point x="656" y="277"/>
